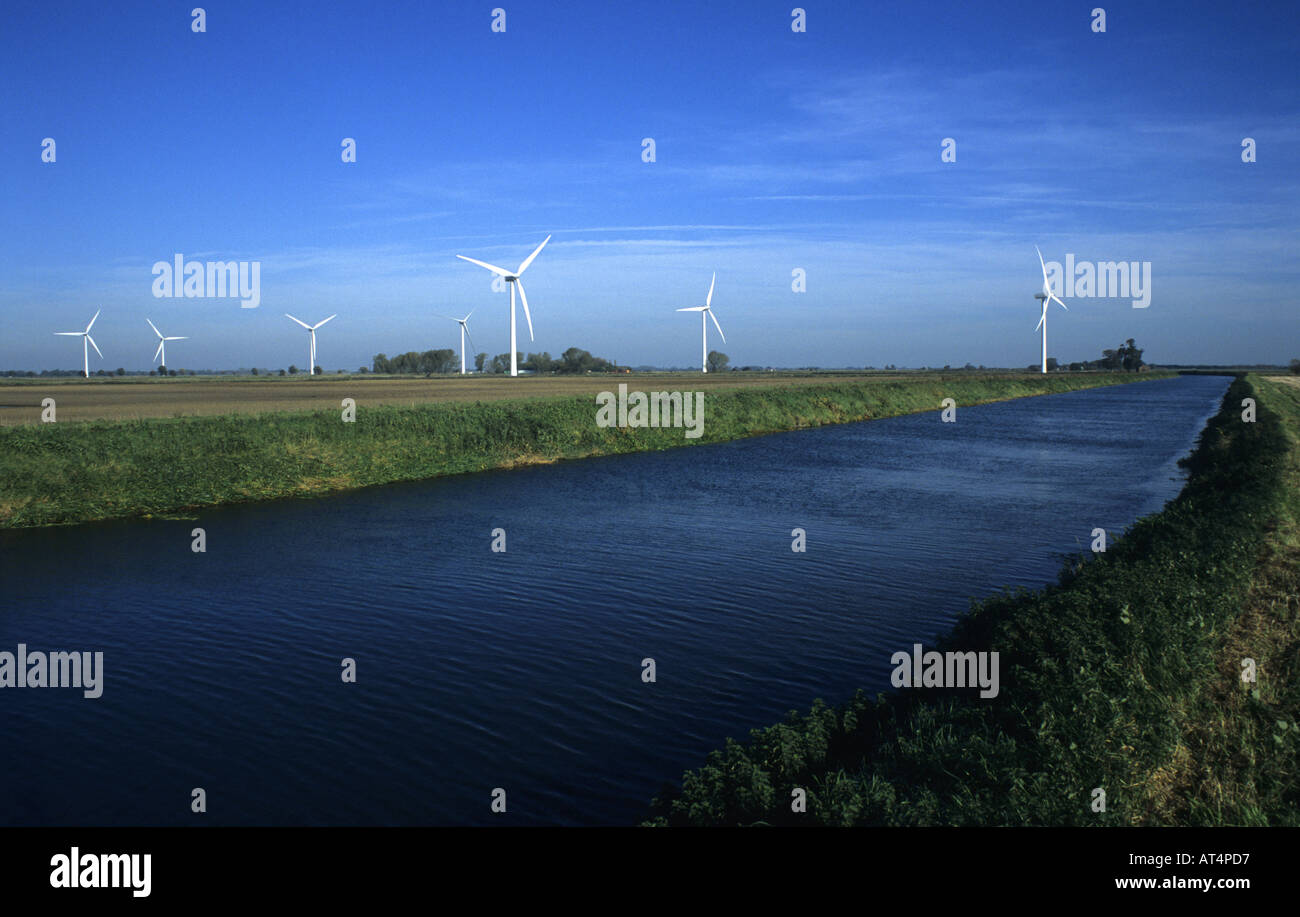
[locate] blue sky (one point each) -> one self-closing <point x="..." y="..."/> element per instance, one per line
<point x="775" y="151"/>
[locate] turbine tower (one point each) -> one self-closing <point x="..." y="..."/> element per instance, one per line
<point x="704" y="311"/>
<point x="85" y="339"/>
<point x="311" y="330"/>
<point x="513" y="281"/>
<point x="464" y="333"/>
<point x="162" y="343"/>
<point x="1046" y="298"/>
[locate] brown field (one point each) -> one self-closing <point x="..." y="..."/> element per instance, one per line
<point x="118" y="399"/>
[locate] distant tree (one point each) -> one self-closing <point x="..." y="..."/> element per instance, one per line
<point x="1076" y="367"/>
<point x="1295" y="367"/>
<point x="1131" y="356"/>
<point x="121" y="371"/>
<point x="479" y="360"/>
<point x="363" y="369"/>
<point x="162" y="370"/>
<point x="254" y="370"/>
<point x="539" y="362"/>
<point x="293" y="370"/>
<point x="281" y="372"/>
<point x="717" y="361"/>
<point x="171" y="372"/>
<point x="1052" y="365"/>
<point x="153" y="372"/>
<point x="318" y="370"/>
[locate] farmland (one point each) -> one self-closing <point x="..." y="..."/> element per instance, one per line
<point x="130" y="398"/>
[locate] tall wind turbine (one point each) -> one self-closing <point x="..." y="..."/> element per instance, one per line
<point x="464" y="333"/>
<point x="1046" y="297"/>
<point x="85" y="339"/>
<point x="311" y="329"/>
<point x="513" y="281"/>
<point x="162" y="343"/>
<point x="705" y="310"/>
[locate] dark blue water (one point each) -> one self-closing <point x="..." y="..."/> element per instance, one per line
<point x="522" y="670"/>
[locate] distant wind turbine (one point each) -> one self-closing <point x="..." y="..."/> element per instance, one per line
<point x="513" y="281"/>
<point x="464" y="333"/>
<point x="705" y="310"/>
<point x="162" y="343"/>
<point x="1046" y="297"/>
<point x="311" y="329"/>
<point x="85" y="339"/>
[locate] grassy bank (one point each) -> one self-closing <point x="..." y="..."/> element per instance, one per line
<point x="1126" y="675"/>
<point x="62" y="473"/>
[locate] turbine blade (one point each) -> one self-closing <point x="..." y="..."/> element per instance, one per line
<point x="529" y="260"/>
<point x="716" y="325"/>
<point x="1042" y="264"/>
<point x="708" y="300"/>
<point x="323" y="321"/>
<point x="470" y="339"/>
<point x="471" y="312"/>
<point x="159" y="350"/>
<point x="71" y="333"/>
<point x="693" y="309"/>
<point x="1063" y="305"/>
<point x="299" y="321"/>
<point x="524" y="300"/>
<point x="154" y="327"/>
<point x="92" y="322"/>
<point x="181" y="338"/>
<point x="491" y="267"/>
<point x="96" y="346"/>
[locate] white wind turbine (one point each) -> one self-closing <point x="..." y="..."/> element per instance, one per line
<point x="464" y="333"/>
<point x="162" y="343"/>
<point x="86" y="339"/>
<point x="311" y="329"/>
<point x="705" y="310"/>
<point x="513" y="281"/>
<point x="1046" y="297"/>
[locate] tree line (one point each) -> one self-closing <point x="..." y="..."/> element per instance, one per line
<point x="434" y="362"/>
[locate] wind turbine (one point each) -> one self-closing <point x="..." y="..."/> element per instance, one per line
<point x="704" y="310"/>
<point x="464" y="333"/>
<point x="1046" y="298"/>
<point x="311" y="329"/>
<point x="85" y="339"/>
<point x="162" y="343"/>
<point x="513" y="281"/>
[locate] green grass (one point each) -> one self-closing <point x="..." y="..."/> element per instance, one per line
<point x="67" y="473"/>
<point x="1124" y="676"/>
